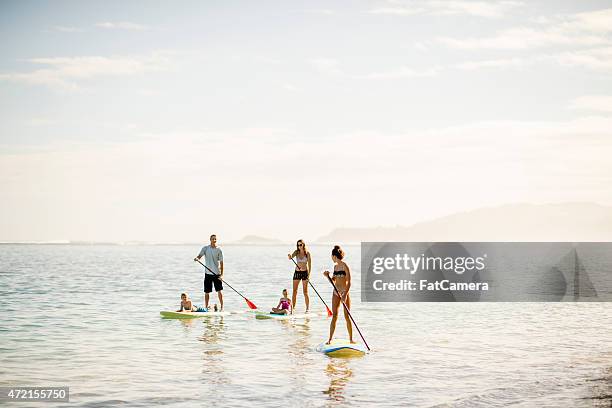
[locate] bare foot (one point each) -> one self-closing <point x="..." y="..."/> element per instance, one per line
<point x="328" y="341"/>
<point x="353" y="341"/>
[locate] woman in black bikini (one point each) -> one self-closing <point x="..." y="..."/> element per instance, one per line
<point x="302" y="273"/>
<point x="342" y="280"/>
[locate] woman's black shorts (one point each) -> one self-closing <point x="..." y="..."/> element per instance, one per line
<point x="300" y="275"/>
<point x="209" y="280"/>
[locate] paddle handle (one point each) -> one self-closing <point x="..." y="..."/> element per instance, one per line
<point x="219" y="276"/>
<point x="348" y="311"/>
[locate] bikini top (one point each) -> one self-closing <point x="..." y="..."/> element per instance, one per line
<point x="303" y="260"/>
<point x="339" y="273"/>
<point x="285" y="304"/>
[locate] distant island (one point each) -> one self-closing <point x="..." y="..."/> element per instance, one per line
<point x="563" y="222"/>
<point x="256" y="240"/>
<point x="570" y="222"/>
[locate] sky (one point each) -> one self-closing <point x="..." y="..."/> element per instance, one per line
<point x="167" y="121"/>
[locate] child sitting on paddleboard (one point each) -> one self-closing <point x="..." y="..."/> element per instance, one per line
<point x="188" y="306"/>
<point x="284" y="305"/>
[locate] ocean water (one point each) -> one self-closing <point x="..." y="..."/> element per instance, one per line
<point x="87" y="317"/>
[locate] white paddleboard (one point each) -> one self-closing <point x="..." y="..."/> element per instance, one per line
<point x="259" y="314"/>
<point x="342" y="348"/>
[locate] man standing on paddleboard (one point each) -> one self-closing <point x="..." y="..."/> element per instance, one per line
<point x="213" y="259"/>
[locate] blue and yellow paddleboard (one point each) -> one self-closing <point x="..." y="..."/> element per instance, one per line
<point x="342" y="348"/>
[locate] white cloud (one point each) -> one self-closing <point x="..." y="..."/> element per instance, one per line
<point x="494" y="63"/>
<point x="598" y="103"/>
<point x="599" y="21"/>
<point x="399" y="73"/>
<point x="526" y="38"/>
<point x="65" y="72"/>
<point x="581" y="29"/>
<point x="595" y="58"/>
<point x="488" y="9"/>
<point x="331" y="66"/>
<point x="599" y="59"/>
<point x="122" y="25"/>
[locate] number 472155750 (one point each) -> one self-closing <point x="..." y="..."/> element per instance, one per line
<point x="34" y="393"/>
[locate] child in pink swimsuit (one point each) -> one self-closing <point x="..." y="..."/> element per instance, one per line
<point x="284" y="305"/>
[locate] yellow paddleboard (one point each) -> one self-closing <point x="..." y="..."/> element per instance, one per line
<point x="342" y="348"/>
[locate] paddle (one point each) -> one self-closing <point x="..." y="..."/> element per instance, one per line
<point x="249" y="303"/>
<point x="348" y="311"/>
<point x="329" y="312"/>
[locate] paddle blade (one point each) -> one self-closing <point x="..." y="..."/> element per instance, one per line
<point x="250" y="304"/>
<point x="329" y="312"/>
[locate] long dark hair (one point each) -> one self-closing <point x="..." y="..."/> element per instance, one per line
<point x="297" y="247"/>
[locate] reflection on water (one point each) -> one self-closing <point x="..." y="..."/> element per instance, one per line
<point x="187" y="324"/>
<point x="213" y="369"/>
<point x="301" y="338"/>
<point x="298" y="348"/>
<point x="339" y="373"/>
<point x="214" y="327"/>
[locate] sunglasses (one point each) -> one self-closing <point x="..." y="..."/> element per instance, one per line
<point x="300" y="245"/>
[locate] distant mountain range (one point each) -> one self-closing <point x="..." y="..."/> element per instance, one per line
<point x="517" y="222"/>
<point x="570" y="222"/>
<point x="256" y="240"/>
